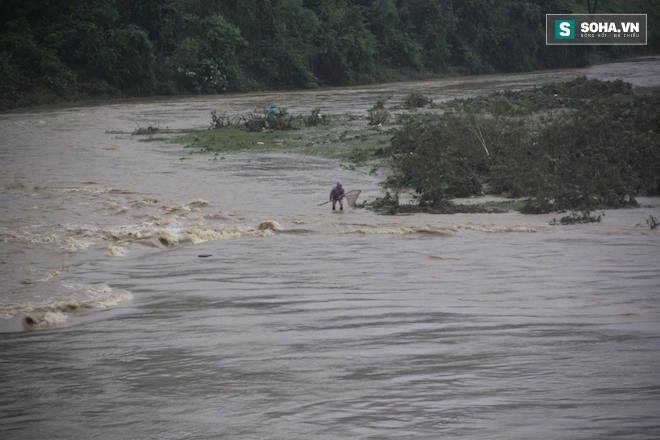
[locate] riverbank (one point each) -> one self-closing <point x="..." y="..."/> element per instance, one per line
<point x="107" y="49"/>
<point x="36" y="99"/>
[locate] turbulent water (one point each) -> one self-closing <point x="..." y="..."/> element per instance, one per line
<point x="150" y="293"/>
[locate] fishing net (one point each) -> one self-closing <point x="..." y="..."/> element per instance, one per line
<point x="352" y="196"/>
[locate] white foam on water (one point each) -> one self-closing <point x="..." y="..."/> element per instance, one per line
<point x="198" y="203"/>
<point x="51" y="274"/>
<point x="72" y="245"/>
<point x="47" y="319"/>
<point x="83" y="189"/>
<point x="269" y="225"/>
<point x="402" y="230"/>
<point x="75" y="299"/>
<point x="144" y="203"/>
<point x="116" y="251"/>
<point x="173" y="235"/>
<point x="498" y="228"/>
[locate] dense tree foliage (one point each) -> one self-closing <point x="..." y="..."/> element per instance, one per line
<point x="56" y="49"/>
<point x="583" y="144"/>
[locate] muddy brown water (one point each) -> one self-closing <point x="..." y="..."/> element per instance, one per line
<point x="300" y="323"/>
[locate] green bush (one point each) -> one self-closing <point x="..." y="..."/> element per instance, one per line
<point x="416" y="100"/>
<point x="208" y="62"/>
<point x="598" y="148"/>
<point x="133" y="66"/>
<point x="278" y="120"/>
<point x="28" y="68"/>
<point x="578" y="218"/>
<point x="378" y="114"/>
<point x="438" y="158"/>
<point x="315" y="118"/>
<point x="255" y="122"/>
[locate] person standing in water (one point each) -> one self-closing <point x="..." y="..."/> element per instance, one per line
<point x="337" y="195"/>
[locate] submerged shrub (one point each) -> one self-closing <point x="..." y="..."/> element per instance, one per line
<point x="578" y="217"/>
<point x="388" y="204"/>
<point x="438" y="158"/>
<point x="150" y="129"/>
<point x="416" y="100"/>
<point x="219" y="121"/>
<point x="255" y="122"/>
<point x="279" y="120"/>
<point x="315" y="118"/>
<point x="270" y="120"/>
<point x="378" y="114"/>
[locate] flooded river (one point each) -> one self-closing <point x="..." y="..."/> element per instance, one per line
<point x="150" y="293"/>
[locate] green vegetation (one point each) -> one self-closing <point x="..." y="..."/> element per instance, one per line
<point x="390" y="205"/>
<point x="233" y="139"/>
<point x="340" y="137"/>
<point x="577" y="218"/>
<point x="378" y="114"/>
<point x="580" y="145"/>
<point x="53" y="51"/>
<point x="316" y="118"/>
<point x="416" y="100"/>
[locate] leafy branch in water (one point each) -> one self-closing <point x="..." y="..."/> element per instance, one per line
<point x="150" y="129"/>
<point x="316" y="118"/>
<point x="258" y="121"/>
<point x="378" y="114"/>
<point x="416" y="100"/>
<point x="474" y="125"/>
<point x="578" y="217"/>
<point x="220" y="121"/>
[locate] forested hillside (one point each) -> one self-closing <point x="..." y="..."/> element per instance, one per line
<point x="54" y="50"/>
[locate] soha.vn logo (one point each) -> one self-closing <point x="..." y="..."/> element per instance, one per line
<point x="564" y="29"/>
